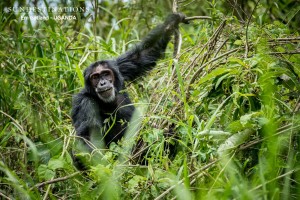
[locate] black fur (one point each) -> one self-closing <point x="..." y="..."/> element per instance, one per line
<point x="89" y="113"/>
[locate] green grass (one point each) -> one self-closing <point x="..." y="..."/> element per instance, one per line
<point x="236" y="119"/>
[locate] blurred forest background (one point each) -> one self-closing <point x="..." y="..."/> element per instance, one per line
<point x="231" y="99"/>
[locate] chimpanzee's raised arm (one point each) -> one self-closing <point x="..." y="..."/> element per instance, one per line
<point x="143" y="57"/>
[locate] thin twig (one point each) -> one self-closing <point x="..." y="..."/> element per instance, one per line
<point x="286" y="52"/>
<point x="189" y="176"/>
<point x="4" y="196"/>
<point x="284" y="39"/>
<point x="47" y="192"/>
<point x="247" y="45"/>
<point x="213" y="41"/>
<point x="280" y="131"/>
<point x="207" y="63"/>
<point x="197" y="17"/>
<point x="207" y="45"/>
<point x="55" y="180"/>
<point x="15" y="121"/>
<point x="220" y="47"/>
<point x="274" y="179"/>
<point x="177" y="35"/>
<point x="188" y="3"/>
<point x="235" y="5"/>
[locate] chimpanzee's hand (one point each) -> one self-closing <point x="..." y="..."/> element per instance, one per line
<point x="175" y="18"/>
<point x="182" y="18"/>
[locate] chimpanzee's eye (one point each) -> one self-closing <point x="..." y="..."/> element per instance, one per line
<point x="105" y="74"/>
<point x="95" y="76"/>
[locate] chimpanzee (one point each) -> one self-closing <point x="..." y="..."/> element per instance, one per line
<point x="101" y="99"/>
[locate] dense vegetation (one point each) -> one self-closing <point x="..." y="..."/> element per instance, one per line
<point x="231" y="99"/>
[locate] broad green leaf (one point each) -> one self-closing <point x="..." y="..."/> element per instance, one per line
<point x="56" y="163"/>
<point x="45" y="173"/>
<point x="238" y="42"/>
<point x="213" y="74"/>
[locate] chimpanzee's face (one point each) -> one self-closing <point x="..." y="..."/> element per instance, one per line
<point x="102" y="80"/>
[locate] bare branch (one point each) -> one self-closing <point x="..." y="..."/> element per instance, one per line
<point x="197" y="17"/>
<point x="174" y="6"/>
<point x="220" y="47"/>
<point x="4" y="196"/>
<point x="286" y="52"/>
<point x="177" y="43"/>
<point x="285" y="39"/>
<point x="177" y="35"/>
<point x="55" y="180"/>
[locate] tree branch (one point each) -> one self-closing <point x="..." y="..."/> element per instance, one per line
<point x="55" y="180"/>
<point x="285" y="39"/>
<point x="286" y="52"/>
<point x="197" y="17"/>
<point x="177" y="43"/>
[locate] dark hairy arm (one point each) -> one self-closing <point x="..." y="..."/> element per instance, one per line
<point x="143" y="57"/>
<point x="85" y="115"/>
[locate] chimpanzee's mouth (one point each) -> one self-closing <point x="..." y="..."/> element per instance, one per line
<point x="103" y="90"/>
<point x="106" y="90"/>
